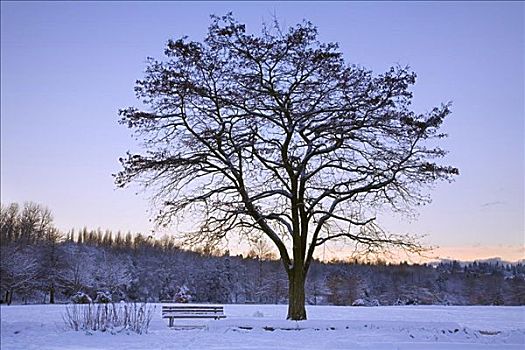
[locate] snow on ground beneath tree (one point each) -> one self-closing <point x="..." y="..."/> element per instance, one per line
<point x="256" y="327"/>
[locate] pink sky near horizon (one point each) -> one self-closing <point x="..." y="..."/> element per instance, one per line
<point x="508" y="253"/>
<point x="468" y="253"/>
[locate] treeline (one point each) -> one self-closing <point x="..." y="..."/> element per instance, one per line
<point x="40" y="264"/>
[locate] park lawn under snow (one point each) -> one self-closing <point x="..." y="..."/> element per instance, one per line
<point x="255" y="327"/>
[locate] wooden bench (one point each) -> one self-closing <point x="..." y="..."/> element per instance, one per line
<point x="192" y="311"/>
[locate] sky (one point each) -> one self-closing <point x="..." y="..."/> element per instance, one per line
<point x="66" y="69"/>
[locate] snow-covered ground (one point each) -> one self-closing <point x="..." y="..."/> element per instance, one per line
<point x="256" y="327"/>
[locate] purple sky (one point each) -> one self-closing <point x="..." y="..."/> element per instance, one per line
<point x="66" y="68"/>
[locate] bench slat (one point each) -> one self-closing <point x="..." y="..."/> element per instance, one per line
<point x="205" y="310"/>
<point x="191" y="313"/>
<point x="192" y="307"/>
<point x="187" y="316"/>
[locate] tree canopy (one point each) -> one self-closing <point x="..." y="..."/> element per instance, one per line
<point x="275" y="133"/>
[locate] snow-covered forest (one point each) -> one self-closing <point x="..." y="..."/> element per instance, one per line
<point x="39" y="264"/>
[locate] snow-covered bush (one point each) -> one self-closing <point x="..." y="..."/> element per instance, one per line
<point x="407" y="301"/>
<point x="183" y="295"/>
<point x="365" y="302"/>
<point x="103" y="297"/>
<point x="81" y="298"/>
<point x="109" y="317"/>
<point x="258" y="314"/>
<point x="359" y="302"/>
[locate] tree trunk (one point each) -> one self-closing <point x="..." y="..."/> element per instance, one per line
<point x="259" y="282"/>
<point x="52" y="295"/>
<point x="296" y="295"/>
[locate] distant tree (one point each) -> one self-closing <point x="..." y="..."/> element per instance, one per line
<point x="210" y="285"/>
<point x="113" y="273"/>
<point x="517" y="290"/>
<point x="128" y="240"/>
<point x="79" y="270"/>
<point x="261" y="251"/>
<point x="315" y="283"/>
<point x="18" y="271"/>
<point x="80" y="237"/>
<point x="344" y="288"/>
<point x="277" y="134"/>
<point x="9" y="222"/>
<point x="35" y="222"/>
<point x="32" y="223"/>
<point x="85" y="236"/>
<point x="52" y="262"/>
<point x="107" y="240"/>
<point x="275" y="284"/>
<point x="119" y="242"/>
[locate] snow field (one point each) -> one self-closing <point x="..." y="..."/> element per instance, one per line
<point x="258" y="327"/>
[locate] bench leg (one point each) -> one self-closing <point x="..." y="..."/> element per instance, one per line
<point x="171" y="321"/>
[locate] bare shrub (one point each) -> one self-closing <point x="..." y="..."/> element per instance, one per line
<point x="109" y="317"/>
<point x="81" y="298"/>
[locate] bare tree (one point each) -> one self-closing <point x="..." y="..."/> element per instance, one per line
<point x="35" y="223"/>
<point x="52" y="262"/>
<point x="9" y="223"/>
<point x="275" y="133"/>
<point x="18" y="270"/>
<point x="261" y="251"/>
